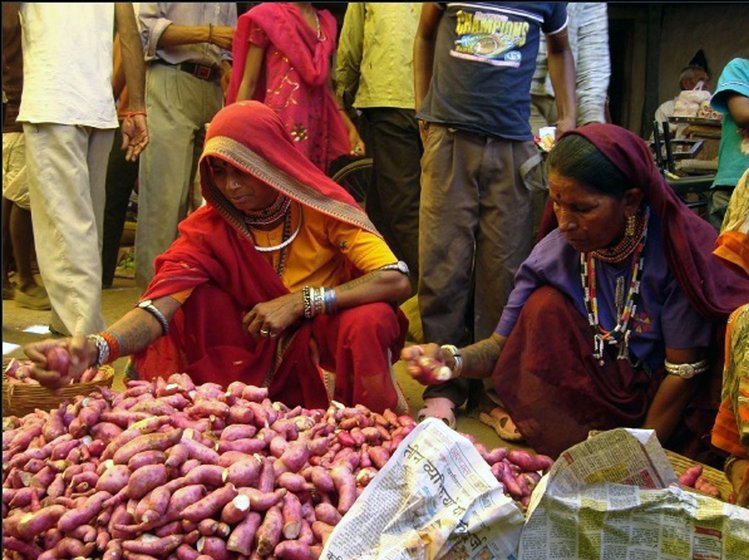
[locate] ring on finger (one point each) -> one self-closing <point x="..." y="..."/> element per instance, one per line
<point x="264" y="332"/>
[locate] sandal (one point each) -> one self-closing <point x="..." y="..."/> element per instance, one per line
<point x="500" y="420"/>
<point x="440" y="408"/>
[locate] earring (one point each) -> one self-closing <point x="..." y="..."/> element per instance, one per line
<point x="629" y="229"/>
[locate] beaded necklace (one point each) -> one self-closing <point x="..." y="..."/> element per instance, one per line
<point x="626" y="245"/>
<point x="269" y="215"/>
<point x="620" y="334"/>
<point x="286" y="239"/>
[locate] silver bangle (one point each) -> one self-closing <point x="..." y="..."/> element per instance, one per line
<point x="457" y="358"/>
<point x="102" y="350"/>
<point x="686" y="370"/>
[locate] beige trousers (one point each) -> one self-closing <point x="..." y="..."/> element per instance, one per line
<point x="15" y="182"/>
<point x="179" y="105"/>
<point x="67" y="168"/>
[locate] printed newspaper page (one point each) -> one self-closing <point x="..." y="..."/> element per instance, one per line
<point x="610" y="497"/>
<point x="436" y="498"/>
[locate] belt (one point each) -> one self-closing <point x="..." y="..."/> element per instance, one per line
<point x="205" y="72"/>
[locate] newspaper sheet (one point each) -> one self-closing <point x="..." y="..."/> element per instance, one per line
<point x="436" y="498"/>
<point x="612" y="497"/>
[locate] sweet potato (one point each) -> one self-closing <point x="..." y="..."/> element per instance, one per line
<point x="186" y="552"/>
<point x="244" y="473"/>
<point x="58" y="359"/>
<point x="255" y="394"/>
<point x="176" y="456"/>
<point x="26" y="549"/>
<point x="228" y="458"/>
<point x="146" y="479"/>
<point x="213" y="547"/>
<point x="236" y="510"/>
<point x="243" y="535"/>
<point x="291" y="510"/>
<point x="150" y="457"/>
<point x="200" y="452"/>
<point x="238" y="431"/>
<point x="153" y="546"/>
<point x="321" y="531"/>
<point x="327" y="513"/>
<point x="170" y="528"/>
<point x="32" y="524"/>
<point x="322" y="480"/>
<point x="210" y="504"/>
<point x="294" y="550"/>
<point x="262" y="501"/>
<point x="160" y="441"/>
<point x="293" y="482"/>
<point x="269" y="532"/>
<point x="241" y="415"/>
<point x="295" y="456"/>
<point x="529" y="462"/>
<point x="185" y="496"/>
<point x="209" y="475"/>
<point x="690" y="476"/>
<point x="345" y="485"/>
<point x="244" y="445"/>
<point x="83" y="514"/>
<point x="113" y="551"/>
<point x="379" y="456"/>
<point x="84" y="533"/>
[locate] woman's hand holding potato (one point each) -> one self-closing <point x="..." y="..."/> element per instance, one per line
<point x="426" y="364"/>
<point x="57" y="362"/>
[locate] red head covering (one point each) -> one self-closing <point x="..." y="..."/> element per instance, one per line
<point x="251" y="136"/>
<point x="688" y="240"/>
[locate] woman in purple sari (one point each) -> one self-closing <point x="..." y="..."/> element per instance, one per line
<point x="616" y="318"/>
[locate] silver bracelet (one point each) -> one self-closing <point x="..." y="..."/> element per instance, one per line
<point x="307" y="299"/>
<point x="457" y="358"/>
<point x="686" y="371"/>
<point x="102" y="350"/>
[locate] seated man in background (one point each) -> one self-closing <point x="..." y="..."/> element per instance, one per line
<point x="690" y="78"/>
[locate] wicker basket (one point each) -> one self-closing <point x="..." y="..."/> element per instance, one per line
<point x="20" y="399"/>
<point x="712" y="475"/>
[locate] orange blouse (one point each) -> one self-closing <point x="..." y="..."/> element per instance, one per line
<point x="317" y="256"/>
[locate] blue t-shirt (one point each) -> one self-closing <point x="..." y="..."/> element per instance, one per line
<point x="484" y="59"/>
<point x="733" y="155"/>
<point x="664" y="317"/>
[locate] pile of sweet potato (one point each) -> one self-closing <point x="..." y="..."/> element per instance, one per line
<point x="19" y="371"/>
<point x="168" y="469"/>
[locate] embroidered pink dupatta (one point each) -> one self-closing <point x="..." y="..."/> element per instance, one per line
<point x="294" y="77"/>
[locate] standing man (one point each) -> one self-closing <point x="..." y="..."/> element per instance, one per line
<point x="188" y="49"/>
<point x="473" y="66"/>
<point x="375" y="69"/>
<point x="18" y="233"/>
<point x="69" y="118"/>
<point x="588" y="34"/>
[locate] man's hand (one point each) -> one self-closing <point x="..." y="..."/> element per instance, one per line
<point x="423" y="131"/>
<point x="134" y="136"/>
<point x="221" y="36"/>
<point x="78" y="350"/>
<point x="564" y="125"/>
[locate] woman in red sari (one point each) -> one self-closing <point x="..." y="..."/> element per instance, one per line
<point x="617" y="316"/>
<point x="282" y="53"/>
<point x="279" y="281"/>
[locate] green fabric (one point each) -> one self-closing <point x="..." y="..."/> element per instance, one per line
<point x="374" y="62"/>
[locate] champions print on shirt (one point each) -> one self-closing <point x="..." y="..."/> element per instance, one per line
<point x="490" y="37"/>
